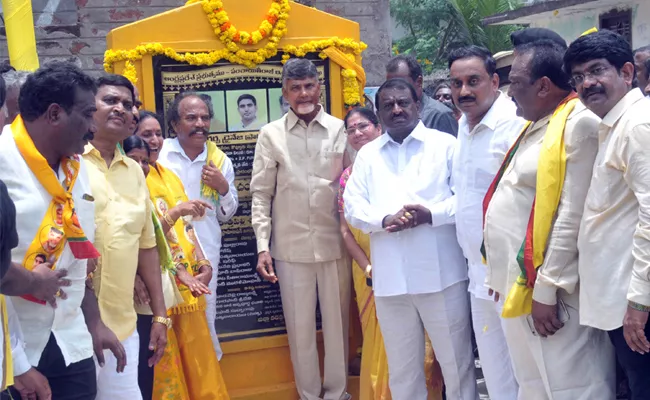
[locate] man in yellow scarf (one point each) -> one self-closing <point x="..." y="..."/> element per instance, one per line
<point x="49" y="184"/>
<point x="531" y="218"/>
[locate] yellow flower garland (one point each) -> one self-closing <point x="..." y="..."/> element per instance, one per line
<point x="351" y="92"/>
<point x="275" y="22"/>
<point x="229" y="36"/>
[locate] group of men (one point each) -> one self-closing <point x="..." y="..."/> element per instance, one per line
<point x="540" y="209"/>
<point x="71" y="319"/>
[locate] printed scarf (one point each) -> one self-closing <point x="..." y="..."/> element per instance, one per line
<point x="551" y="169"/>
<point x="60" y="224"/>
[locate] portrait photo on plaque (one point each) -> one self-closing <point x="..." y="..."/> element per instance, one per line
<point x="218" y="101"/>
<point x="278" y="105"/>
<point x="247" y="110"/>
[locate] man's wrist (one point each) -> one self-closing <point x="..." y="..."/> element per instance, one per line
<point x="383" y="221"/>
<point x="638" y="306"/>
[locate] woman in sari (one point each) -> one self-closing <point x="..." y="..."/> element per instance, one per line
<point x="362" y="126"/>
<point x="136" y="149"/>
<point x="189" y="356"/>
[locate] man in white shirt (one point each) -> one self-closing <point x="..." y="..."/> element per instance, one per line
<point x="189" y="116"/>
<point x="486" y="130"/>
<point x="548" y="165"/>
<point x="57" y="104"/>
<point x="614" y="239"/>
<point x="401" y="194"/>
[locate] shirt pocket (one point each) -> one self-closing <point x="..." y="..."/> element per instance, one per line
<point x="484" y="172"/>
<point x="329" y="165"/>
<point x="599" y="196"/>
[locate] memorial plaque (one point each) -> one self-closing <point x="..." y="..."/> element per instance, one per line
<point x="244" y="100"/>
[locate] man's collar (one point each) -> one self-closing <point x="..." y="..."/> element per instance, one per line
<point x="293" y="119"/>
<point x="418" y="133"/>
<point x="176" y="147"/>
<point x="491" y="117"/>
<point x="622" y="106"/>
<point x="117" y="155"/>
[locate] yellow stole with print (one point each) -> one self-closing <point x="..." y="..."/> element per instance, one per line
<point x="60" y="224"/>
<point x="166" y="191"/>
<point x="217" y="157"/>
<point x="7" y="363"/>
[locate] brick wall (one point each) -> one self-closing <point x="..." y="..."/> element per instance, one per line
<point x="75" y="30"/>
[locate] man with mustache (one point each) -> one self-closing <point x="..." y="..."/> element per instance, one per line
<point x="614" y="239"/>
<point x="207" y="174"/>
<point x="433" y="114"/>
<point x="125" y="238"/>
<point x="56" y="105"/>
<point x="401" y="194"/>
<point x="297" y="165"/>
<point x="486" y="131"/>
<point x="532" y="214"/>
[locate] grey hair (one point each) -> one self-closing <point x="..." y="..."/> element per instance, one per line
<point x="172" y="112"/>
<point x="15" y="79"/>
<point x="298" y="68"/>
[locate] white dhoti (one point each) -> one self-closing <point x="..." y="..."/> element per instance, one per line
<point x="576" y="363"/>
<point x="301" y="284"/>
<point x="493" y="349"/>
<point x="445" y="317"/>
<point x="122" y="386"/>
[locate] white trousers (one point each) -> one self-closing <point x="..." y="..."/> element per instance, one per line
<point x="211" y="312"/>
<point x="122" y="386"/>
<point x="445" y="317"/>
<point x="576" y="363"/>
<point x="301" y="284"/>
<point x="493" y="349"/>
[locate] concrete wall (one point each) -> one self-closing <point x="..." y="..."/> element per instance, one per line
<point x="572" y="25"/>
<point x="75" y="30"/>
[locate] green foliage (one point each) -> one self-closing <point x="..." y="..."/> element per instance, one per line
<point x="435" y="27"/>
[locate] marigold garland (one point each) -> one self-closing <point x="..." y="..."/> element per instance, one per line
<point x="273" y="28"/>
<point x="351" y="92"/>
<point x="275" y="22"/>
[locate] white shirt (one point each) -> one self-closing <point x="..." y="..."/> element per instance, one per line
<point x="173" y="157"/>
<point x="477" y="159"/>
<point x="255" y="125"/>
<point x="614" y="237"/>
<point x="385" y="177"/>
<point x="18" y="355"/>
<point x="37" y="321"/>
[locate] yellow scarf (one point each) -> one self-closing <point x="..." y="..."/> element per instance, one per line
<point x="551" y="170"/>
<point x="166" y="191"/>
<point x="217" y="157"/>
<point x="60" y="224"/>
<point x="7" y="363"/>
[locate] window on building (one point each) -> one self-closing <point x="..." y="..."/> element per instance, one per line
<point x="619" y="22"/>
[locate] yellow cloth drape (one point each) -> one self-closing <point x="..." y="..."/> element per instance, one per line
<point x="166" y="191"/>
<point x="21" y="40"/>
<point x="551" y="169"/>
<point x="7" y="377"/>
<point x="189" y="369"/>
<point x="373" y="381"/>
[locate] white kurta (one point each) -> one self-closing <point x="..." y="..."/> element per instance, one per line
<point x="173" y="156"/>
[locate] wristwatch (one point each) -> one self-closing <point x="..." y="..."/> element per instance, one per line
<point x="162" y="320"/>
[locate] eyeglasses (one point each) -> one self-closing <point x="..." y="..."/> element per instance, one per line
<point x="363" y="127"/>
<point x="595" y="72"/>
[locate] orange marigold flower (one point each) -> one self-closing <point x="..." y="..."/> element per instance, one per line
<point x="225" y="26"/>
